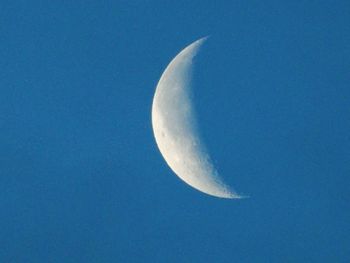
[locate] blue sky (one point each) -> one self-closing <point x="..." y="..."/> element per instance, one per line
<point x="81" y="178"/>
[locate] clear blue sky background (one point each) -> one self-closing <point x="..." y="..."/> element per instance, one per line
<point x="81" y="178"/>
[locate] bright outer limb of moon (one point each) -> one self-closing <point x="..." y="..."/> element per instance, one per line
<point x="175" y="128"/>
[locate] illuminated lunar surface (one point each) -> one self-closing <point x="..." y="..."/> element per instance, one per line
<point x="176" y="131"/>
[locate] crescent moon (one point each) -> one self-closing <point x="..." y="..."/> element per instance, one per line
<point x="176" y="131"/>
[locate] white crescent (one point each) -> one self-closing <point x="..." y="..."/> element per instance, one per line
<point x="175" y="128"/>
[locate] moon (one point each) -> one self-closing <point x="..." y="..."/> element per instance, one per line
<point x="176" y="131"/>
